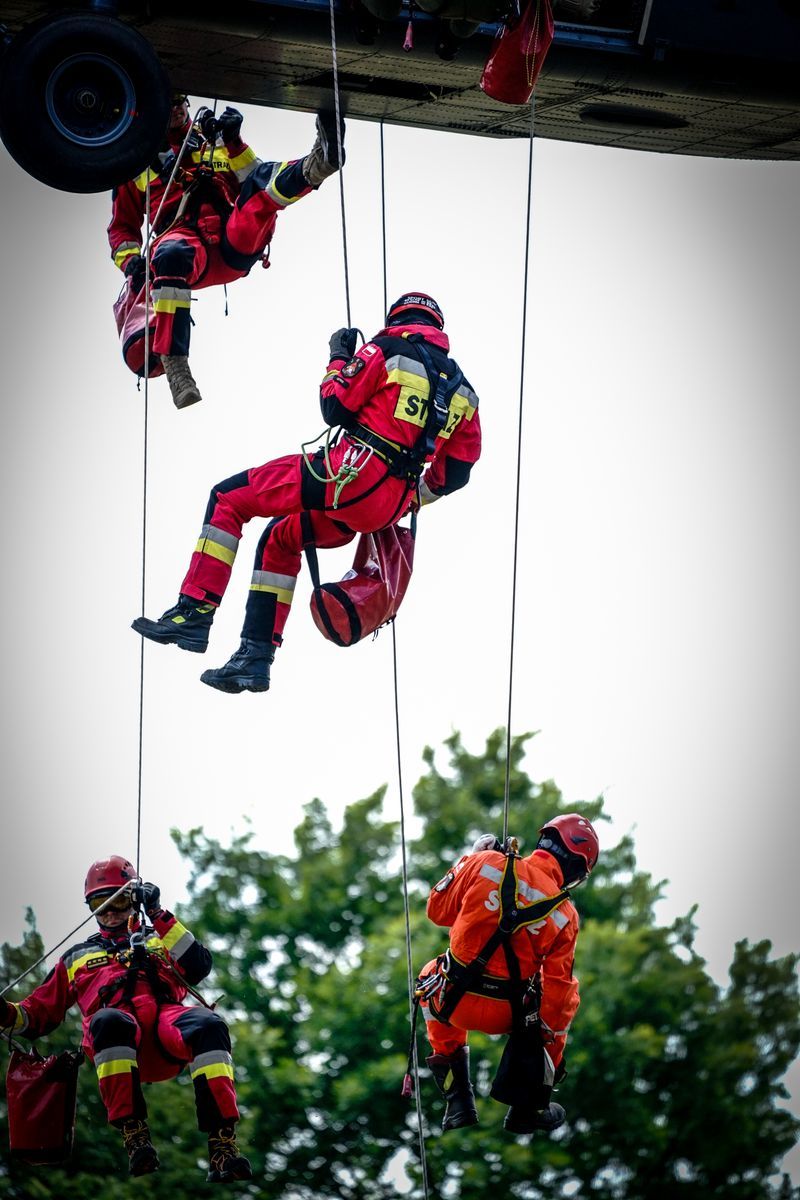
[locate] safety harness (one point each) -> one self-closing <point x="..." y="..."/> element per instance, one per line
<point x="402" y="462"/>
<point x="454" y="979"/>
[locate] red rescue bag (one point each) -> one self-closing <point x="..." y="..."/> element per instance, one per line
<point x="130" y="313"/>
<point x="518" y="54"/>
<point x="371" y="593"/>
<point x="41" y="1095"/>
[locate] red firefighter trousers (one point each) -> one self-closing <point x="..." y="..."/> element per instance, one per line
<point x="280" y="490"/>
<point x="212" y="250"/>
<point x="147" y="1043"/>
<point x="472" y="1012"/>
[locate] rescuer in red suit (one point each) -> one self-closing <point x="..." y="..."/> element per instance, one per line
<point x="467" y="900"/>
<point x="216" y="221"/>
<point x="399" y="447"/>
<point x="136" y="1027"/>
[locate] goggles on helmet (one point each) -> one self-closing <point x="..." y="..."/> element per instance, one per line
<point x="122" y="903"/>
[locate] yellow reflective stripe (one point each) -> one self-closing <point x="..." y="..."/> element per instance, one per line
<point x="272" y="190"/>
<point x="242" y="160"/>
<point x="213" y="1071"/>
<point x="214" y="550"/>
<point x="125" y="252"/>
<point x="170" y="305"/>
<point x="117" y="1066"/>
<point x="285" y="595"/>
<point x="175" y="934"/>
<point x="77" y="963"/>
<point x="141" y="180"/>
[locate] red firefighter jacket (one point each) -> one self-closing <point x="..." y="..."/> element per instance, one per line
<point x="93" y="971"/>
<point x="468" y="901"/>
<point x="226" y="168"/>
<point x="385" y="389"/>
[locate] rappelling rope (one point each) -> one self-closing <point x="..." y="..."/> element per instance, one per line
<point x="337" y="106"/>
<point x="507" y="789"/>
<point x="423" y="1161"/>
<point x="144" y="503"/>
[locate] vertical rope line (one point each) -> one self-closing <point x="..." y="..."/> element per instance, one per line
<point x="337" y="104"/>
<point x="507" y="790"/>
<point x="423" y="1161"/>
<point x="144" y="515"/>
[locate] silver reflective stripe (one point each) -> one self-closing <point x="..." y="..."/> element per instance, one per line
<point x="273" y="579"/>
<point x="182" y="945"/>
<point x="220" y="537"/>
<point x="410" y="366"/>
<point x="210" y="1057"/>
<point x="468" y="395"/>
<point x="531" y="893"/>
<point x="560" y="919"/>
<point x="114" y="1054"/>
<point x="171" y="293"/>
<point x="490" y="872"/>
<point x="426" y="1012"/>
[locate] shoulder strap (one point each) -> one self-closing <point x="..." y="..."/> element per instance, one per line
<point x="442" y="389"/>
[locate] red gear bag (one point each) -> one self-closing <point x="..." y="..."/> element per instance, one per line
<point x="518" y="54"/>
<point x="130" y="312"/>
<point x="371" y="592"/>
<point x="41" y="1095"/>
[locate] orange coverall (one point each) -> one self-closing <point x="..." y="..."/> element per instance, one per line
<point x="467" y="900"/>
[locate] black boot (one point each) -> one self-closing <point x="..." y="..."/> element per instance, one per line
<point x="142" y="1154"/>
<point x="186" y="625"/>
<point x="451" y="1072"/>
<point x="225" y="1163"/>
<point x="521" y="1118"/>
<point x="245" y="671"/>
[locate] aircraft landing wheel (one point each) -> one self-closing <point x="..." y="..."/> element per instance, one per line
<point x="84" y="101"/>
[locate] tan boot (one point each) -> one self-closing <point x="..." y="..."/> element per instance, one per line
<point x="180" y="379"/>
<point x="322" y="161"/>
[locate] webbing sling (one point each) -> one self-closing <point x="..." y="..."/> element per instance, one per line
<point x="442" y="388"/>
<point x="510" y="921"/>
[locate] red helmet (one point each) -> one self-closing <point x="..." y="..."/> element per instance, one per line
<point x="576" y="835"/>
<point x="107" y="875"/>
<point x="412" y="306"/>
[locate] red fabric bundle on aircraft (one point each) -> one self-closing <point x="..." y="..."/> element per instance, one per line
<point x="41" y="1094"/>
<point x="371" y="593"/>
<point x="130" y="313"/>
<point x="518" y="54"/>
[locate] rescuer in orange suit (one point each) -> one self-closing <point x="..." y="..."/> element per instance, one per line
<point x="136" y="1026"/>
<point x="410" y="434"/>
<point x="213" y="224"/>
<point x="468" y="900"/>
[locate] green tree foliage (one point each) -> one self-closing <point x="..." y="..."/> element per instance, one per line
<point x="674" y="1088"/>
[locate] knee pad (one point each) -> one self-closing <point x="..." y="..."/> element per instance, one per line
<point x="174" y="259"/>
<point x="203" y="1030"/>
<point x="110" y="1027"/>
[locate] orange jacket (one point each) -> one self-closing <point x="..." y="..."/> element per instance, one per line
<point x="468" y="901"/>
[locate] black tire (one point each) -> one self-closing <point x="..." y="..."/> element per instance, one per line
<point x="84" y="101"/>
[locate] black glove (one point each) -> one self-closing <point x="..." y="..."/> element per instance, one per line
<point x="148" y="895"/>
<point x="343" y="343"/>
<point x="229" y="124"/>
<point x="560" y="1073"/>
<point x="8" y="1014"/>
<point x="207" y="122"/>
<point x="136" y="271"/>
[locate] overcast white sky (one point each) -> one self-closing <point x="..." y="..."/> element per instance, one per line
<point x="657" y="636"/>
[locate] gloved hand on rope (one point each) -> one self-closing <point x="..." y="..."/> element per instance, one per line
<point x="229" y="124"/>
<point x="487" y="841"/>
<point x="207" y="123"/>
<point x="149" y="895"/>
<point x="136" y="270"/>
<point x="343" y="343"/>
<point x="8" y="1014"/>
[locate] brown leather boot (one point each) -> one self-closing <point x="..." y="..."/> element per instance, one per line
<point x="322" y="161"/>
<point x="142" y="1154"/>
<point x="180" y="379"/>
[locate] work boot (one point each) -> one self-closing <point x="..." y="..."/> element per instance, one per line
<point x="245" y="671"/>
<point x="142" y="1154"/>
<point x="225" y="1163"/>
<point x="322" y="160"/>
<point x="186" y="625"/>
<point x="451" y="1072"/>
<point x="523" y="1118"/>
<point x="180" y="379"/>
